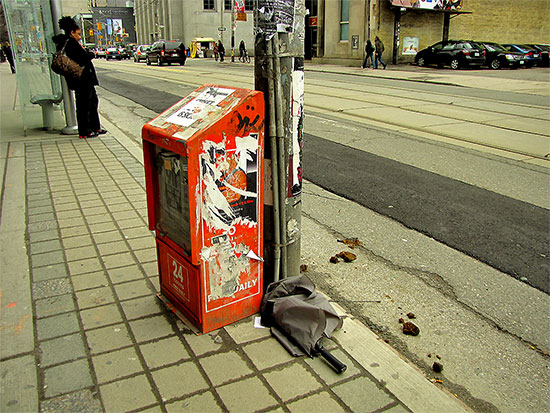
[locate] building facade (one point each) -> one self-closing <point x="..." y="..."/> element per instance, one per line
<point x="75" y="7"/>
<point x="193" y="19"/>
<point x="343" y="26"/>
<point x="103" y="22"/>
<point x="337" y="30"/>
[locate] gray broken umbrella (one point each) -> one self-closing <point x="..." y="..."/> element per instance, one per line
<point x="299" y="317"/>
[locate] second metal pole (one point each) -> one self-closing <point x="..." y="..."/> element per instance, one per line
<point x="68" y="98"/>
<point x="279" y="73"/>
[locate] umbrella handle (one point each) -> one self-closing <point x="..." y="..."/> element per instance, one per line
<point x="333" y="361"/>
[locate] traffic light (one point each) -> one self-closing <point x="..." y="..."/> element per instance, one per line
<point x="91" y="32"/>
<point x="98" y="25"/>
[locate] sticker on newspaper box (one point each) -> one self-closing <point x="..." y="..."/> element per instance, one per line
<point x="199" y="106"/>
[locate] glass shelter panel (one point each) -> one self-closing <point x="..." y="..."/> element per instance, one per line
<point x="30" y="29"/>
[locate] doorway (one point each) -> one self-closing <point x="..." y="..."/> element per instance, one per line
<point x="311" y="25"/>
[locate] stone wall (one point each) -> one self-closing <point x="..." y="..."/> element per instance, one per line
<point x="504" y="21"/>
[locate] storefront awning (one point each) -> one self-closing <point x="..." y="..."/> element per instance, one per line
<point x="203" y="39"/>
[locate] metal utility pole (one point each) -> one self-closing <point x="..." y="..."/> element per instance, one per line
<point x="68" y="99"/>
<point x="279" y="73"/>
<point x="220" y="29"/>
<point x="232" y="30"/>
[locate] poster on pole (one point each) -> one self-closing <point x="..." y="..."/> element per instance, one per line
<point x="276" y="16"/>
<point x="297" y="143"/>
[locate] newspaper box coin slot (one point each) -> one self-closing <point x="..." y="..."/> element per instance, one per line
<point x="204" y="177"/>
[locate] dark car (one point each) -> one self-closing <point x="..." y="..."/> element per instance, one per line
<point x="497" y="56"/>
<point x="125" y="51"/>
<point x="113" y="52"/>
<point x="532" y="56"/>
<point x="453" y="53"/>
<point x="544" y="50"/>
<point x="166" y="51"/>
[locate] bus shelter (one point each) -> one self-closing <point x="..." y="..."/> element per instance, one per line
<point x="30" y="29"/>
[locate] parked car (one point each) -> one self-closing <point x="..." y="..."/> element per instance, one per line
<point x="497" y="56"/>
<point x="166" y="51"/>
<point x="141" y="52"/>
<point x="532" y="56"/>
<point x="544" y="50"/>
<point x="113" y="53"/>
<point x="453" y="53"/>
<point x="100" y="53"/>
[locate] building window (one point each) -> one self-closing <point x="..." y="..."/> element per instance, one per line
<point x="344" y="20"/>
<point x="248" y="4"/>
<point x="208" y="4"/>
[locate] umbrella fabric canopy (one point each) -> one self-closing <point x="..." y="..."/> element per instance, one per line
<point x="298" y="315"/>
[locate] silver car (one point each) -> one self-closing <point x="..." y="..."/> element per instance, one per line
<point x="141" y="52"/>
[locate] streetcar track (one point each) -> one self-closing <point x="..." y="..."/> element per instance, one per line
<point x="454" y="105"/>
<point x="440" y="115"/>
<point x="245" y="78"/>
<point x="397" y="89"/>
<point x="455" y="138"/>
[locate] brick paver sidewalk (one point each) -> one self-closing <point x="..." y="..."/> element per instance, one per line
<point x="104" y="341"/>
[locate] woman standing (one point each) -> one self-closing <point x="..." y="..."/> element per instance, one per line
<point x="86" y="99"/>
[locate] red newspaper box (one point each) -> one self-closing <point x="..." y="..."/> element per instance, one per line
<point x="204" y="177"/>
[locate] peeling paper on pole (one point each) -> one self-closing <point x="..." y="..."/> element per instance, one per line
<point x="275" y="16"/>
<point x="297" y="111"/>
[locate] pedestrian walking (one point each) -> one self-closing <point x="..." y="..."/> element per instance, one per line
<point x="86" y="99"/>
<point x="9" y="55"/>
<point x="216" y="51"/>
<point x="369" y="50"/>
<point x="379" y="49"/>
<point x="221" y="50"/>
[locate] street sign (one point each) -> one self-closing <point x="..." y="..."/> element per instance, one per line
<point x="241" y="16"/>
<point x="222" y="29"/>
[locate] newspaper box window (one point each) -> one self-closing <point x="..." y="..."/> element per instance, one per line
<point x="204" y="173"/>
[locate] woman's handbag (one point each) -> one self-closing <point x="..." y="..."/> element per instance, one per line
<point x="63" y="65"/>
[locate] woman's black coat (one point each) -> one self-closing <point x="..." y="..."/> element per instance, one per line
<point x="76" y="52"/>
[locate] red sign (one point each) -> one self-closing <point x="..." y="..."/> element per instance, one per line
<point x="239" y="5"/>
<point x="313" y="21"/>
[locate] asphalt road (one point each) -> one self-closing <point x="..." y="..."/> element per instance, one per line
<point x="502" y="232"/>
<point x="509" y="235"/>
